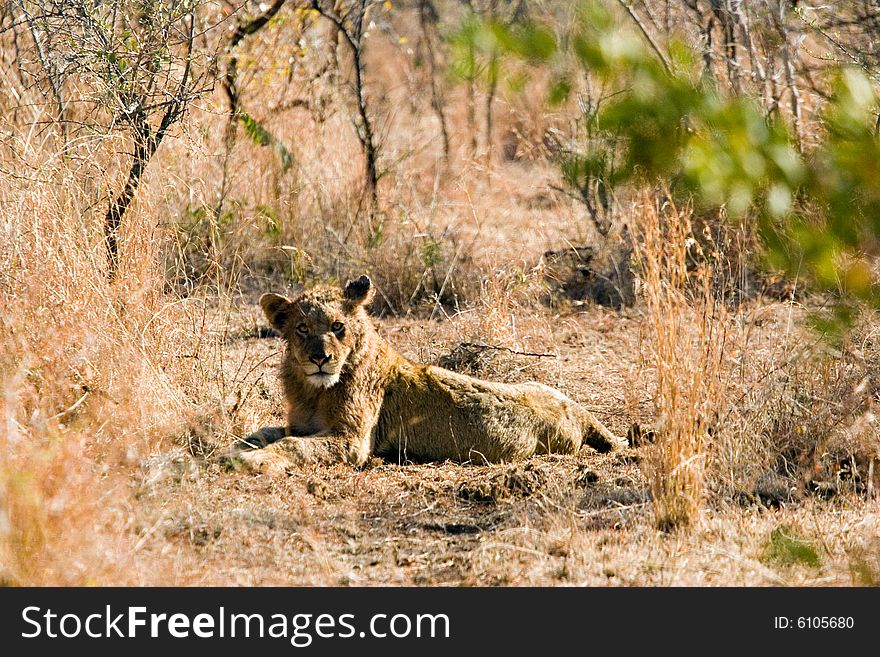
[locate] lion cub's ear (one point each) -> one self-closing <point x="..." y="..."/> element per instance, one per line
<point x="359" y="291"/>
<point x="277" y="309"/>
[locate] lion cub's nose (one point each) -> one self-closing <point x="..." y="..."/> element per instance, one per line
<point x="320" y="360"/>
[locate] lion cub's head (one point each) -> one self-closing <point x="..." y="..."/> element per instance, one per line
<point x="322" y="328"/>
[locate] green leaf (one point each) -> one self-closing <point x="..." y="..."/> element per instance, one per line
<point x="531" y="42"/>
<point x="258" y="134"/>
<point x="273" y="221"/>
<point x="262" y="137"/>
<point x="559" y="92"/>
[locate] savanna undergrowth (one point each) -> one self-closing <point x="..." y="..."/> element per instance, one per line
<point x="688" y="333"/>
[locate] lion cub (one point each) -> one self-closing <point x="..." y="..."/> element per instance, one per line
<point x="350" y="395"/>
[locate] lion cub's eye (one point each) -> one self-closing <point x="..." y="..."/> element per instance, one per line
<point x="302" y="329"/>
<point x="336" y="327"/>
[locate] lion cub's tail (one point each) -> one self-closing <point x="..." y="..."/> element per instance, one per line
<point x="598" y="436"/>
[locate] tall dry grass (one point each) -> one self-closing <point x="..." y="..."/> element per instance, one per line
<point x="687" y="329"/>
<point x="89" y="372"/>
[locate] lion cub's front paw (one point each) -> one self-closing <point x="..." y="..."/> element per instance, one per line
<point x="258" y="460"/>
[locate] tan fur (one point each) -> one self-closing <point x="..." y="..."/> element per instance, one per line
<point x="386" y="405"/>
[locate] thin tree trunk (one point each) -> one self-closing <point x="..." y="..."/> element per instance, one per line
<point x="788" y="68"/>
<point x="646" y="34"/>
<point x="145" y="145"/>
<point x="353" y="34"/>
<point x="372" y="176"/>
<point x="230" y="78"/>
<point x="146" y="142"/>
<point x="490" y="104"/>
<point x="724" y="11"/>
<point x="759" y="74"/>
<point x="427" y="15"/>
<point x="493" y="86"/>
<point x="472" y="115"/>
<point x="230" y="87"/>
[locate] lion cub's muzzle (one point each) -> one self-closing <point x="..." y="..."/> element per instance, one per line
<point x="322" y="370"/>
<point x="321" y="363"/>
<point x="319" y="360"/>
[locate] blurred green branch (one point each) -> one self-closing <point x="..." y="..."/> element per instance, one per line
<point x="818" y="213"/>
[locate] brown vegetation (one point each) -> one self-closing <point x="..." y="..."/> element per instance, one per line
<point x="116" y="395"/>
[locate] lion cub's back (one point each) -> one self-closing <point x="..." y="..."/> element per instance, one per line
<point x="430" y="413"/>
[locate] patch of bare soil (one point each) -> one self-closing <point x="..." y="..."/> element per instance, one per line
<point x="385" y="524"/>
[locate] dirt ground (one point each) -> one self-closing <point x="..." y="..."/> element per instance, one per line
<point x="584" y="519"/>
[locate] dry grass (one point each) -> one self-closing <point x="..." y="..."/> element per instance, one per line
<point x="114" y="397"/>
<point x="81" y="366"/>
<point x="688" y="329"/>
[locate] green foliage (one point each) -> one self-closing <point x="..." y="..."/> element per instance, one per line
<point x="818" y="213"/>
<point x="377" y="232"/>
<point x="560" y="90"/>
<point x="463" y="43"/>
<point x="529" y="41"/>
<point x="477" y="46"/>
<point x="787" y="548"/>
<point x="300" y="265"/>
<point x="432" y="254"/>
<point x="262" y="137"/>
<point x="202" y="220"/>
<point x="273" y="221"/>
